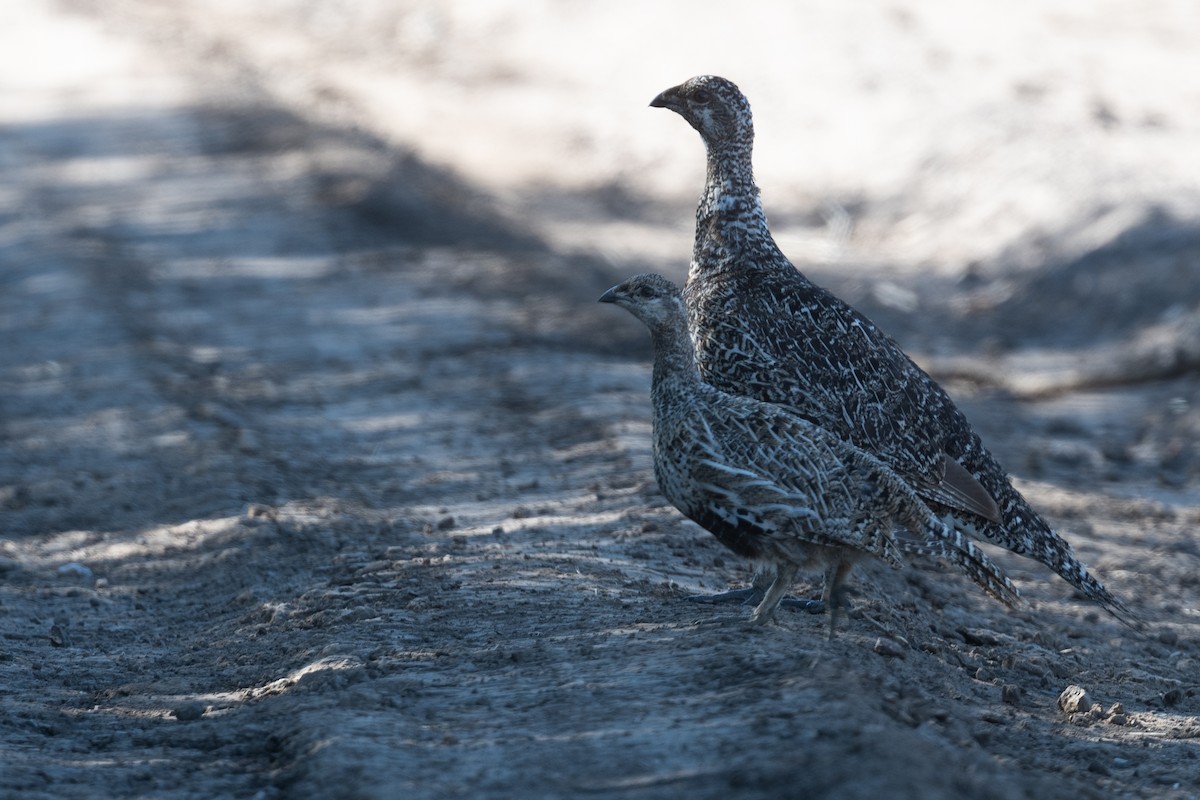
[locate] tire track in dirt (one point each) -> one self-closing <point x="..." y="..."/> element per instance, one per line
<point x="274" y="400"/>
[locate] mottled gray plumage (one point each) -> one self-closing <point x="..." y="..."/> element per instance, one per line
<point x="773" y="486"/>
<point x="762" y="329"/>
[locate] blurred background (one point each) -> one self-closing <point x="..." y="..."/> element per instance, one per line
<point x="1019" y="182"/>
<point x="940" y="139"/>
<point x="903" y="148"/>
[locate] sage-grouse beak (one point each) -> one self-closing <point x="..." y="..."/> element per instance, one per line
<point x="609" y="297"/>
<point x="665" y="99"/>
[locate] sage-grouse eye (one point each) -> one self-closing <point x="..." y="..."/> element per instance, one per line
<point x="772" y="486"/>
<point x="762" y="329"/>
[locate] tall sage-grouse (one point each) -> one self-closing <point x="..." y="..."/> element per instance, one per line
<point x="762" y="329"/>
<point x="773" y="486"/>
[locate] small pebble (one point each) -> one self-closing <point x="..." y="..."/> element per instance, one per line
<point x="58" y="636"/>
<point x="888" y="648"/>
<point x="1074" y="699"/>
<point x="74" y="569"/>
<point x="257" y="511"/>
<point x="978" y="636"/>
<point x="189" y="710"/>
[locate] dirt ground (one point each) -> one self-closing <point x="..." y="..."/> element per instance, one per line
<point x="324" y="476"/>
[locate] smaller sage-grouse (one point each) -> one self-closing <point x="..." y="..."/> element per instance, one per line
<point x="762" y="329"/>
<point x="773" y="486"/>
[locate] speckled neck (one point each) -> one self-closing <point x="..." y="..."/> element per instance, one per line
<point x="730" y="222"/>
<point x="675" y="371"/>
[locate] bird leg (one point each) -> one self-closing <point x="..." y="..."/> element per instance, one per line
<point x="835" y="592"/>
<point x="784" y="575"/>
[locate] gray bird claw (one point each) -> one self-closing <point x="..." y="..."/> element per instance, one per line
<point x="811" y="606"/>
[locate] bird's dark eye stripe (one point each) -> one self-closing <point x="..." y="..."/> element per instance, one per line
<point x="701" y="96"/>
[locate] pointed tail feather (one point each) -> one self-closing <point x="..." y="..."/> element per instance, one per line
<point x="1053" y="551"/>
<point x="945" y="542"/>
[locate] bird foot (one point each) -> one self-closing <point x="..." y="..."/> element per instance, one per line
<point x="811" y="606"/>
<point x="750" y="596"/>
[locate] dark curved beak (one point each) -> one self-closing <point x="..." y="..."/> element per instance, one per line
<point x="609" y="297"/>
<point x="665" y="99"/>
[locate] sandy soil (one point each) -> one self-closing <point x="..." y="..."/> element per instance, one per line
<point x="324" y="476"/>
